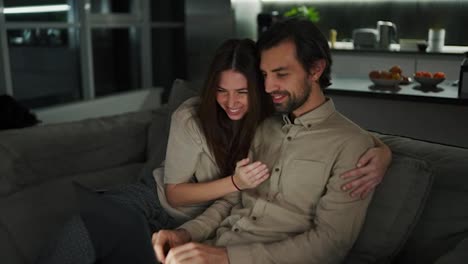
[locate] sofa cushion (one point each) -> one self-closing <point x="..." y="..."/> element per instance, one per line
<point x="394" y="210"/>
<point x="37" y="154"/>
<point x="109" y="178"/>
<point x="181" y="91"/>
<point x="444" y="221"/>
<point x="158" y="132"/>
<point x="34" y="214"/>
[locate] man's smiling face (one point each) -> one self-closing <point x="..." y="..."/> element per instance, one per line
<point x="286" y="80"/>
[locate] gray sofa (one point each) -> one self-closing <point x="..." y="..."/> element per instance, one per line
<point x="419" y="213"/>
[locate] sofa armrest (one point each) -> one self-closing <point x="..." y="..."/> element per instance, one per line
<point x="37" y="154"/>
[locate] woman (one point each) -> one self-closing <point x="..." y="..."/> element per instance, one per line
<point x="211" y="134"/>
<point x="206" y="159"/>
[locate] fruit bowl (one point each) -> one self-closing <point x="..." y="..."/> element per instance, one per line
<point x="385" y="82"/>
<point x="427" y="81"/>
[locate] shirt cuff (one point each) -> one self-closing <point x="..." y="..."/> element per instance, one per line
<point x="195" y="230"/>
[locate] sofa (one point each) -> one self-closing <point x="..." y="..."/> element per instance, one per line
<point x="419" y="213"/>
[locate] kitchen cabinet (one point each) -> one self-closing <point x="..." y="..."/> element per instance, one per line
<point x="427" y="120"/>
<point x="433" y="114"/>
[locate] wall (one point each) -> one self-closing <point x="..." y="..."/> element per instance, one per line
<point x="208" y="24"/>
<point x="246" y="12"/>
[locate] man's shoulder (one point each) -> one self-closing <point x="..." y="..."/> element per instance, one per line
<point x="342" y="131"/>
<point x="344" y="125"/>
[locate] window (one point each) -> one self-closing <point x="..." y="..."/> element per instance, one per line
<point x="44" y="11"/>
<point x="116" y="59"/>
<point x="111" y="6"/>
<point x="44" y="65"/>
<point x="60" y="51"/>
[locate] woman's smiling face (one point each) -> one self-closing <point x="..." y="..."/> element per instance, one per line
<point x="232" y="94"/>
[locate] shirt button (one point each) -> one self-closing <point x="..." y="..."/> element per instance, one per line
<point x="254" y="218"/>
<point x="289" y="138"/>
<point x="309" y="125"/>
<point x="277" y="169"/>
<point x="236" y="229"/>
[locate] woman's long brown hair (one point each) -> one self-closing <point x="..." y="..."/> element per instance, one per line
<point x="230" y="140"/>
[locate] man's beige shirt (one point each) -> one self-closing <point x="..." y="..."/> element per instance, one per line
<point x="300" y="214"/>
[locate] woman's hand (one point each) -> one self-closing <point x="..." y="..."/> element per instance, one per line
<point x="249" y="175"/>
<point x="370" y="171"/>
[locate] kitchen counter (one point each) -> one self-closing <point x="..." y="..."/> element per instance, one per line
<point x="343" y="46"/>
<point x="445" y="92"/>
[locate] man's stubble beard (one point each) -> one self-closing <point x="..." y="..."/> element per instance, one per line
<point x="292" y="103"/>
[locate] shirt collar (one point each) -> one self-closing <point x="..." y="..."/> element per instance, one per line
<point x="318" y="115"/>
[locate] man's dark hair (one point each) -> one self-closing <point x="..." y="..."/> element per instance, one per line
<point x="311" y="44"/>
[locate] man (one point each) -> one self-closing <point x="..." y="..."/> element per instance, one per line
<point x="299" y="215"/>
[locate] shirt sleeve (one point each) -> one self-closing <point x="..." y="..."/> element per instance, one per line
<point x="338" y="220"/>
<point x="203" y="227"/>
<point x="183" y="147"/>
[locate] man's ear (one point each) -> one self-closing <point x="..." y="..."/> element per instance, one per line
<point x="317" y="69"/>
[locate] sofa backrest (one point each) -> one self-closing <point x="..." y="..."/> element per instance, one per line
<point x="37" y="154"/>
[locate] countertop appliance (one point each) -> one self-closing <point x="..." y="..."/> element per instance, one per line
<point x="387" y="34"/>
<point x="365" y="38"/>
<point x="375" y="38"/>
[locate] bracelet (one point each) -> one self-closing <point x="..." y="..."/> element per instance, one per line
<point x="232" y="179"/>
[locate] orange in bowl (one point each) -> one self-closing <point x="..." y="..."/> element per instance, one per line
<point x="439" y="75"/>
<point x="396" y="69"/>
<point x="428" y="79"/>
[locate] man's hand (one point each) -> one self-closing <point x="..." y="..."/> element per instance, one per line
<point x="164" y="240"/>
<point x="370" y="171"/>
<point x="196" y="253"/>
